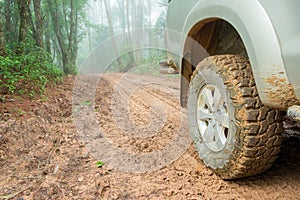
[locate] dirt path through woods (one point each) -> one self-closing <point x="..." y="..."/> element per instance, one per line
<point x="42" y="156"/>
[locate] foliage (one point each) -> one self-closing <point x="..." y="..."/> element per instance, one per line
<point x="99" y="164"/>
<point x="30" y="29"/>
<point x="27" y="74"/>
<point x="61" y="28"/>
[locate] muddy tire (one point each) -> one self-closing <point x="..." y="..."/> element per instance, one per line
<point x="234" y="133"/>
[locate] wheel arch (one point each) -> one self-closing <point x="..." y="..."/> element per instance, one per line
<point x="256" y="38"/>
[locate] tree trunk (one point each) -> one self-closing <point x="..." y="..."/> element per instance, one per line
<point x="121" y="4"/>
<point x="32" y="25"/>
<point x="73" y="40"/>
<point x="72" y="25"/>
<point x="68" y="64"/>
<point x="109" y="20"/>
<point x="149" y="7"/>
<point x="140" y="26"/>
<point x="128" y="16"/>
<point x="8" y="22"/>
<point x="56" y="52"/>
<point x="129" y="39"/>
<point x="47" y="34"/>
<point x="135" y="26"/>
<point x="58" y="32"/>
<point x="2" y="38"/>
<point x="38" y="23"/>
<point x="24" y="10"/>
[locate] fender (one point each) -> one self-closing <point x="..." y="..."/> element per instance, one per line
<point x="255" y="28"/>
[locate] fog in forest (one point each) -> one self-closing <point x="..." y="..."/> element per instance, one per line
<point x="119" y="35"/>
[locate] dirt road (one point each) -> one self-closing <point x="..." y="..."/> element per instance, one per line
<point x="138" y="129"/>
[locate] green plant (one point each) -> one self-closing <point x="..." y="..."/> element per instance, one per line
<point x="27" y="74"/>
<point x="99" y="164"/>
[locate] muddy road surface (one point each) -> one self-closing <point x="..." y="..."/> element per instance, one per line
<point x="134" y="125"/>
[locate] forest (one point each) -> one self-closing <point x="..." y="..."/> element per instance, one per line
<point x="43" y="40"/>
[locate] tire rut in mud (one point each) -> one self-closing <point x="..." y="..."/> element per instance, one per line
<point x="139" y="116"/>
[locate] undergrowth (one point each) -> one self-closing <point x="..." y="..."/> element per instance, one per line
<point x="27" y="74"/>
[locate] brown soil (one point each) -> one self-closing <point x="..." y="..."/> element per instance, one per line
<point x="42" y="155"/>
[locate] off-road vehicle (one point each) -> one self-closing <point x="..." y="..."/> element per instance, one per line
<point x="239" y="62"/>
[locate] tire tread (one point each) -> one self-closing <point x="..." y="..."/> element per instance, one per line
<point x="260" y="127"/>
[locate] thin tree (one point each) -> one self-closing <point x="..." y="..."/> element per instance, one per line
<point x="2" y="38"/>
<point x="73" y="38"/>
<point x="38" y="23"/>
<point x="136" y="30"/>
<point x="65" y="24"/>
<point x="128" y="38"/>
<point x="121" y="5"/>
<point x="47" y="33"/>
<point x="8" y="23"/>
<point x="56" y="22"/>
<point x="48" y="29"/>
<point x="24" y="11"/>
<point x="110" y="24"/>
<point x="149" y="7"/>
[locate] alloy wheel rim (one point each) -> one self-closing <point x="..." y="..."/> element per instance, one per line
<point x="213" y="117"/>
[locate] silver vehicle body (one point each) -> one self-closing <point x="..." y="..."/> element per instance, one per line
<point x="269" y="30"/>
